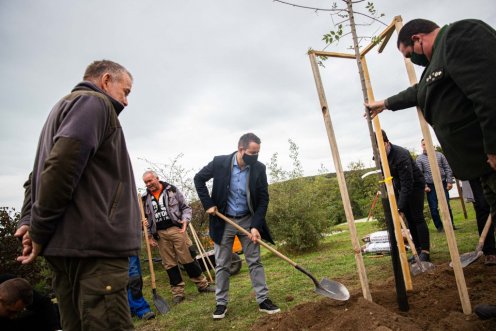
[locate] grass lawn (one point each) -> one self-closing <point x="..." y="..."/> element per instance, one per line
<point x="289" y="287"/>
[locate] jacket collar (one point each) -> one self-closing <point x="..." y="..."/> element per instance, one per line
<point x="88" y="86"/>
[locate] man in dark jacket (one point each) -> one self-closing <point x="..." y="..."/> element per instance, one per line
<point x="455" y="93"/>
<point x="240" y="191"/>
<point x="80" y="209"/>
<point x="409" y="186"/>
<point x="24" y="309"/>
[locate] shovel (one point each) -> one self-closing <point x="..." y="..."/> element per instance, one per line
<point x="471" y="257"/>
<point x="326" y="287"/>
<point x="419" y="266"/>
<point x="160" y="303"/>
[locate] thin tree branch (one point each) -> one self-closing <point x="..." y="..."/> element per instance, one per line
<point x="316" y="9"/>
<point x="306" y="7"/>
<point x="371" y="17"/>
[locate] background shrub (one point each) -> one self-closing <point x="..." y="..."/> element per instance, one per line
<point x="36" y="273"/>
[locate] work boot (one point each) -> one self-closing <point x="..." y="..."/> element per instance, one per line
<point x="220" y="312"/>
<point x="485" y="311"/>
<point x="177" y="299"/>
<point x="490" y="260"/>
<point x="207" y="289"/>
<point x="268" y="307"/>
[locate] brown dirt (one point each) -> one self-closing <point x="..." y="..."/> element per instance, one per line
<point x="434" y="305"/>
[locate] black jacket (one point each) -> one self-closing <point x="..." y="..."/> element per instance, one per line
<point x="40" y="315"/>
<point x="406" y="175"/>
<point x="220" y="170"/>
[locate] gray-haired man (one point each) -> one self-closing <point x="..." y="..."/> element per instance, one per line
<point x="80" y="209"/>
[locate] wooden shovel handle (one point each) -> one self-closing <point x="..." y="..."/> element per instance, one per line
<point x="273" y="250"/>
<point x="410" y="242"/>
<point x="147" y="243"/>
<point x="484" y="232"/>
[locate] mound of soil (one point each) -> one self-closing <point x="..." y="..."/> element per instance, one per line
<point x="434" y="305"/>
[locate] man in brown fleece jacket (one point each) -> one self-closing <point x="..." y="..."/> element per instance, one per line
<point x="80" y="209"/>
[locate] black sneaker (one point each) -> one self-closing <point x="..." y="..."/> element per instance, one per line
<point x="485" y="311"/>
<point x="268" y="307"/>
<point x="220" y="312"/>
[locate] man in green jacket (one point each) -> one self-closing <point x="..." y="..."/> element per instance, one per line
<point x="456" y="95"/>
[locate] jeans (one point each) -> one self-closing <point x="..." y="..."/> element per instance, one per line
<point x="433" y="205"/>
<point x="137" y="303"/>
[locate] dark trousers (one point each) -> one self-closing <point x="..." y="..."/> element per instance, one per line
<point x="91" y="293"/>
<point x="433" y="205"/>
<point x="484" y="190"/>
<point x="414" y="213"/>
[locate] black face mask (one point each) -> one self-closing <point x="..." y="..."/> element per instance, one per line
<point x="250" y="159"/>
<point x="419" y="59"/>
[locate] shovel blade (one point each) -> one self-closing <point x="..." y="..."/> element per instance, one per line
<point x="420" y="267"/>
<point x="468" y="258"/>
<point x="332" y="289"/>
<point x="160" y="304"/>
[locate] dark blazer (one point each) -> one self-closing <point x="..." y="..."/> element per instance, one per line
<point x="407" y="177"/>
<point x="220" y="170"/>
<point x="456" y="95"/>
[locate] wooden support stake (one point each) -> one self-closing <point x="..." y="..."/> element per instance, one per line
<point x="383" y="37"/>
<point x="332" y="54"/>
<point x="441" y="197"/>
<point x="460" y="196"/>
<point x="373" y="205"/>
<point x="341" y="180"/>
<point x="202" y="251"/>
<point x="389" y="185"/>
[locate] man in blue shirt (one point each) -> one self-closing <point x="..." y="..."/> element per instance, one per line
<point x="240" y="191"/>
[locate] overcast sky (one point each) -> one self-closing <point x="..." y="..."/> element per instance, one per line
<point x="205" y="72"/>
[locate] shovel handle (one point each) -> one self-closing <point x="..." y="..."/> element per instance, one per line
<point x="273" y="250"/>
<point x="410" y="242"/>
<point x="147" y="243"/>
<point x="484" y="233"/>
